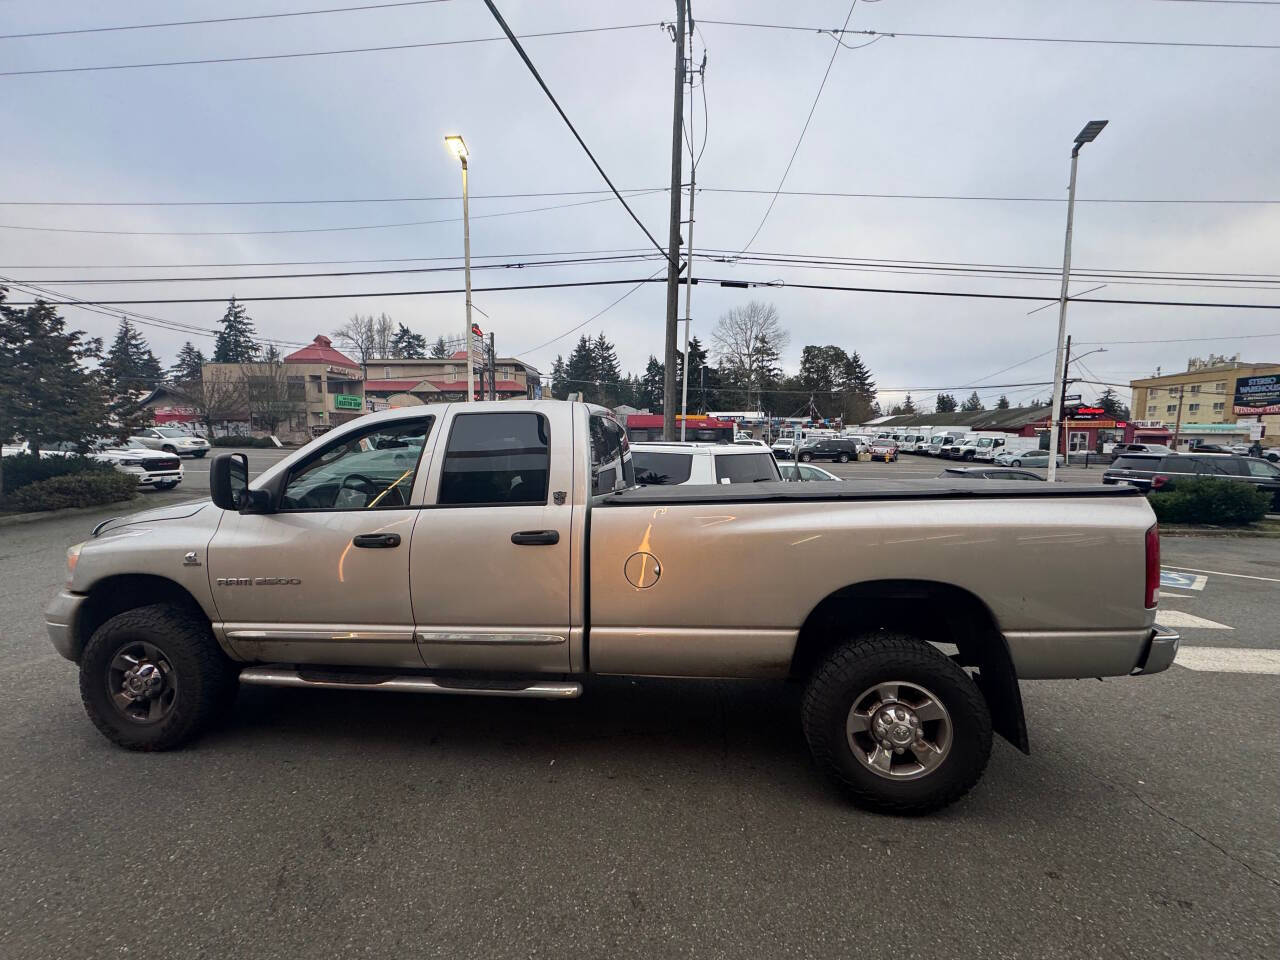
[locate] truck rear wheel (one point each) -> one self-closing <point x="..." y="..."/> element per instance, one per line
<point x="896" y="724"/>
<point x="154" y="677"/>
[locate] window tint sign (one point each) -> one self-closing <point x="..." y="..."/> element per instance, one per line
<point x="1257" y="395"/>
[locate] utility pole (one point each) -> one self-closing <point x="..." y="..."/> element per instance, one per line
<point x="493" y="370"/>
<point x="673" y="238"/>
<point x="1062" y="410"/>
<point x="1177" y="423"/>
<point x="688" y="278"/>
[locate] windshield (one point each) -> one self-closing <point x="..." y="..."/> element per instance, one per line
<point x="985" y="442"/>
<point x="171" y="432"/>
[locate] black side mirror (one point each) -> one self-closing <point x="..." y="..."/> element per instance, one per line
<point x="229" y="480"/>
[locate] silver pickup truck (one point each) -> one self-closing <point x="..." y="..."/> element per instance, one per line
<point x="503" y="549"/>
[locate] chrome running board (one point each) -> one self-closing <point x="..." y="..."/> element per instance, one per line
<point x="337" y="680"/>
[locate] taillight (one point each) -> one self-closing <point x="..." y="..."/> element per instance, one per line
<point x="1158" y="481"/>
<point x="1153" y="566"/>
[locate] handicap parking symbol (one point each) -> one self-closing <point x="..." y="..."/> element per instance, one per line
<point x="1176" y="580"/>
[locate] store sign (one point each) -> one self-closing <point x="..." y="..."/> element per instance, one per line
<point x="1256" y="396"/>
<point x="346" y="401"/>
<point x="1087" y="413"/>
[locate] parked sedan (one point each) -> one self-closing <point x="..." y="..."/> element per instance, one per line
<point x="987" y="473"/>
<point x="1027" y="458"/>
<point x="805" y="471"/>
<point x="170" y="440"/>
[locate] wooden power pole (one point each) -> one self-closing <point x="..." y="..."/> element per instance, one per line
<point x="669" y="385"/>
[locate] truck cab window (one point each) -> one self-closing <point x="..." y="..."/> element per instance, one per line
<point x="368" y="470"/>
<point x="610" y="456"/>
<point x="496" y="458"/>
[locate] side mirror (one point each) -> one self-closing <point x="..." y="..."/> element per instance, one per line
<point x="229" y="480"/>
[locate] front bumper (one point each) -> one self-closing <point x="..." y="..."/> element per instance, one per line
<point x="60" y="620"/>
<point x="1162" y="647"/>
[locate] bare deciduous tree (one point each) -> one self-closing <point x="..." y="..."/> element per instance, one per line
<point x="743" y="332"/>
<point x="271" y="395"/>
<point x="367" y="337"/>
<point x="217" y="396"/>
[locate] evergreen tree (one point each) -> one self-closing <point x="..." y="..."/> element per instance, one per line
<point x="187" y="367"/>
<point x="973" y="404"/>
<point x="945" y="403"/>
<point x="858" y="390"/>
<point x="907" y="406"/>
<point x="440" y="349"/>
<point x="46" y="393"/>
<point x="580" y="370"/>
<point x="652" y="384"/>
<point x="559" y="386"/>
<point x="129" y="366"/>
<point x="607" y="372"/>
<point x="407" y="345"/>
<point x="235" y="342"/>
<point x="1002" y="403"/>
<point x="1109" y="401"/>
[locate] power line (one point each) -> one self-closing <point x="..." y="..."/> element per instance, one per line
<point x="1241" y="336"/>
<point x="344" y="229"/>
<point x="828" y="194"/>
<point x="320" y="53"/>
<point x="803" y="130"/>
<point x="515" y="42"/>
<point x="594" y="316"/>
<point x="1001" y="37"/>
<point x="189" y="23"/>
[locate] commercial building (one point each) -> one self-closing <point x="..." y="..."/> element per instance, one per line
<point x="399" y="382"/>
<point x="1215" y="400"/>
<point x="1085" y="429"/>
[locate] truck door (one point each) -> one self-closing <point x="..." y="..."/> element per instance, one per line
<point x="490" y="557"/>
<point x="325" y="579"/>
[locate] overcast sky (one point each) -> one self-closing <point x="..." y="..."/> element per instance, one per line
<point x="902" y="116"/>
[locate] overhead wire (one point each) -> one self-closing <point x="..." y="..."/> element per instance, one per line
<point x="213" y="20"/>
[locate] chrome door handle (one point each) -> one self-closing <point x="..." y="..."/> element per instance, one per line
<point x="536" y="538"/>
<point x="376" y="540"/>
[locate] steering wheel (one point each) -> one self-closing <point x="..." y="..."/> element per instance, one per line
<point x="370" y="488"/>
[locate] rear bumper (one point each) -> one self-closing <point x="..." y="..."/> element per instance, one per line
<point x="1162" y="647"/>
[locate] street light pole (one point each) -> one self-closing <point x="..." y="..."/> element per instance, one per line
<point x="1087" y="135"/>
<point x="459" y="148"/>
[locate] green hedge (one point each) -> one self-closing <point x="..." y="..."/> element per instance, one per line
<point x="74" y="490"/>
<point x="1224" y="503"/>
<point x="239" y="440"/>
<point x="25" y="469"/>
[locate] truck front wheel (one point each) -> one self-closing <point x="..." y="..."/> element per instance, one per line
<point x="896" y="724"/>
<point x="153" y="677"/>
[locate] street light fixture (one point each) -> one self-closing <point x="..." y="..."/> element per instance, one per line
<point x="458" y="147"/>
<point x="1086" y="135"/>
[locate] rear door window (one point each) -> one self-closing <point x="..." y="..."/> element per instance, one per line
<point x="1123" y="463"/>
<point x="1260" y="468"/>
<point x="496" y="458"/>
<point x="747" y="468"/>
<point x="661" y="469"/>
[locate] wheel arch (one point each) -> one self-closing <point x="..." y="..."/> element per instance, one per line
<point x="114" y="595"/>
<point x="930" y="610"/>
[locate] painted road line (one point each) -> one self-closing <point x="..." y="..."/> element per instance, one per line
<point x="1228" y="660"/>
<point x="1188" y="621"/>
<point x="1182" y="581"/>
<point x="1164" y="595"/>
<point x="1219" y="573"/>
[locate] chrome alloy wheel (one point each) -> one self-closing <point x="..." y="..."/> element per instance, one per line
<point x="141" y="682"/>
<point x="899" y="730"/>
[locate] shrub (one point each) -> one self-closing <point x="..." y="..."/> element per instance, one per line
<point x="26" y="468"/>
<point x="240" y="440"/>
<point x="74" y="490"/>
<point x="1226" y="503"/>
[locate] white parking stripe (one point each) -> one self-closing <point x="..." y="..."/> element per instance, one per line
<point x="1219" y="573"/>
<point x="1185" y="621"/>
<point x="1228" y="660"/>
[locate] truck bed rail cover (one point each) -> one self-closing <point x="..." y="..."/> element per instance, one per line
<point x="776" y="492"/>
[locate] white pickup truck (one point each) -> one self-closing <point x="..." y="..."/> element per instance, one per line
<point x="503" y="549"/>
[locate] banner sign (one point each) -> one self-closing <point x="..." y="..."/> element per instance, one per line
<point x="1256" y="396"/>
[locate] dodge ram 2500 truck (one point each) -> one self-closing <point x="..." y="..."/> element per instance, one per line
<point x="504" y="549"/>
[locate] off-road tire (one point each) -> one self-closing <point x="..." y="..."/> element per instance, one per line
<point x="881" y="657"/>
<point x="199" y="454"/>
<point x="205" y="679"/>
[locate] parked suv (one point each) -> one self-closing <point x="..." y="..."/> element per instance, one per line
<point x="842" y="449"/>
<point x="670" y="464"/>
<point x="1149" y="472"/>
<point x="170" y="440"/>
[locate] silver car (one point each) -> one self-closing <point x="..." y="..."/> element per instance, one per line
<point x="170" y="440"/>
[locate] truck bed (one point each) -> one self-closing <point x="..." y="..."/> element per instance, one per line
<point x="859" y="490"/>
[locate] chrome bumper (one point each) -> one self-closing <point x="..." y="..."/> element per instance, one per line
<point x="1162" y="647"/>
<point x="60" y="620"/>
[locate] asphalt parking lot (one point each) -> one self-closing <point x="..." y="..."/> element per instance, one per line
<point x="649" y="818"/>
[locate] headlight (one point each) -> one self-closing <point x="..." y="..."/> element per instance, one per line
<point x="73" y="557"/>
